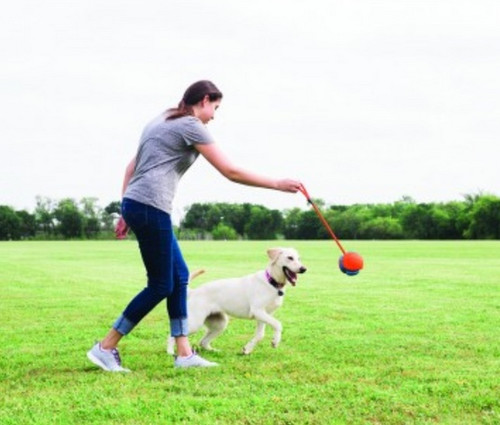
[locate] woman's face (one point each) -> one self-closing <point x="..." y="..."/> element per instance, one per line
<point x="207" y="109"/>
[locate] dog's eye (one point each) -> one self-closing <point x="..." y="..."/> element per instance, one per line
<point x="290" y="258"/>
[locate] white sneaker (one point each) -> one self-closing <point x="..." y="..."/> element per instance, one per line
<point x="108" y="360"/>
<point x="194" y="360"/>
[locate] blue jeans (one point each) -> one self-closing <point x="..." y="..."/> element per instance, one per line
<point x="167" y="272"/>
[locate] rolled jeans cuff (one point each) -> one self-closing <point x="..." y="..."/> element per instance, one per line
<point x="123" y="325"/>
<point x="179" y="327"/>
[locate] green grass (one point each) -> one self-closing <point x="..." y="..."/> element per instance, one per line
<point x="413" y="339"/>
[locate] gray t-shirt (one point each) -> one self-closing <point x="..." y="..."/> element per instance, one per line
<point x="166" y="151"/>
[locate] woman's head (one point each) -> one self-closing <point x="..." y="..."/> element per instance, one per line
<point x="197" y="91"/>
<point x="195" y="95"/>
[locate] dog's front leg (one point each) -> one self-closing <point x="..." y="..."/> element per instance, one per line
<point x="263" y="316"/>
<point x="259" y="334"/>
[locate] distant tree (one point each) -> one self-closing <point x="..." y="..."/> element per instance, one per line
<point x="485" y="218"/>
<point x="44" y="214"/>
<point x="224" y="232"/>
<point x="200" y="216"/>
<point x="416" y="221"/>
<point x="70" y="219"/>
<point x="236" y="216"/>
<point x="10" y="224"/>
<point x="458" y="219"/>
<point x="379" y="210"/>
<point x="347" y="222"/>
<point x="205" y="217"/>
<point x="320" y="203"/>
<point x="381" y="228"/>
<point x="442" y="222"/>
<point x="291" y="223"/>
<point x="91" y="216"/>
<point x="309" y="227"/>
<point x="109" y="216"/>
<point x="28" y="224"/>
<point x="472" y="198"/>
<point x="430" y="221"/>
<point x="263" y="223"/>
<point x="406" y="199"/>
<point x="113" y="207"/>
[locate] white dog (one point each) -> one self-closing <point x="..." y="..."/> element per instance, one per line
<point x="255" y="296"/>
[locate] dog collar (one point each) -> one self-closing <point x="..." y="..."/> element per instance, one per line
<point x="273" y="282"/>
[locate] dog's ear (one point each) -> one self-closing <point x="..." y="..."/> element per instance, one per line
<point x="273" y="253"/>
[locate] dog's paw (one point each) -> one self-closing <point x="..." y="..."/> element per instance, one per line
<point x="209" y="348"/>
<point x="246" y="351"/>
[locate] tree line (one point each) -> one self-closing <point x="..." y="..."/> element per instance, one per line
<point x="63" y="219"/>
<point x="475" y="217"/>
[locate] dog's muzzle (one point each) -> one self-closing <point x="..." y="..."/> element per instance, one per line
<point x="292" y="276"/>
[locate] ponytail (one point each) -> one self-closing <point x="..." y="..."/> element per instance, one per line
<point x="194" y="94"/>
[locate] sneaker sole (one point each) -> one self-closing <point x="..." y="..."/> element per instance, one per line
<point x="195" y="365"/>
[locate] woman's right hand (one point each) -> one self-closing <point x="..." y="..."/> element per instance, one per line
<point x="289" y="185"/>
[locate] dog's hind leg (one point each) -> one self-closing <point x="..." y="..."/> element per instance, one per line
<point x="215" y="323"/>
<point x="170" y="345"/>
<point x="259" y="334"/>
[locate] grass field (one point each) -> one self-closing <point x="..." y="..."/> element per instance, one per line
<point x="413" y="339"/>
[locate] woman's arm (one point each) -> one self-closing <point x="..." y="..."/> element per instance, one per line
<point x="129" y="172"/>
<point x="215" y="156"/>
<point x="121" y="228"/>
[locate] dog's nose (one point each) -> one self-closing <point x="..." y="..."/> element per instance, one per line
<point x="302" y="269"/>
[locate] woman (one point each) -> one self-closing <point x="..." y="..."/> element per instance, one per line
<point x="168" y="147"/>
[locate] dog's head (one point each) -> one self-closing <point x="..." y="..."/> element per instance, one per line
<point x="285" y="264"/>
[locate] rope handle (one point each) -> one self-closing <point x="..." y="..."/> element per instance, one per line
<point x="304" y="191"/>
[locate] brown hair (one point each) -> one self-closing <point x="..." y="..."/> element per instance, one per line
<point x="194" y="93"/>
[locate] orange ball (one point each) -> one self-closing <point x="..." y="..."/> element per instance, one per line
<point x="352" y="261"/>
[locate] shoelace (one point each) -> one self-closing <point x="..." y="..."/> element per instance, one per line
<point x="116" y="355"/>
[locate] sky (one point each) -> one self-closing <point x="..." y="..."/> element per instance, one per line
<point x="363" y="101"/>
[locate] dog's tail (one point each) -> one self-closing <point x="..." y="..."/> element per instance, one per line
<point x="195" y="274"/>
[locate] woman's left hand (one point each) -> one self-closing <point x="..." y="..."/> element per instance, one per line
<point x="121" y="229"/>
